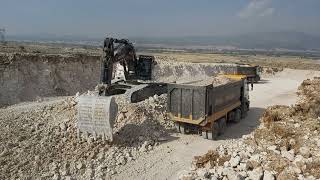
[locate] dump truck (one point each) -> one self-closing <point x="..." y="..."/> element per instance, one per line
<point x="250" y="71"/>
<point x="205" y="106"/>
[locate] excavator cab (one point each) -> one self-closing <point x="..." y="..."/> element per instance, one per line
<point x="141" y="68"/>
<point x="144" y="67"/>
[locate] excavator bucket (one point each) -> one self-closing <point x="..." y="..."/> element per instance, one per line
<point x="96" y="116"/>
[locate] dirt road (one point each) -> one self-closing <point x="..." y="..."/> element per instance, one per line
<point x="176" y="154"/>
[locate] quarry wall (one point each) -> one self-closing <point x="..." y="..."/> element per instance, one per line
<point x="26" y="77"/>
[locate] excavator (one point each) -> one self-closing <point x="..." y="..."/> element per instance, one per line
<point x="97" y="112"/>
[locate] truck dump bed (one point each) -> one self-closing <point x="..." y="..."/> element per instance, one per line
<point x="196" y="102"/>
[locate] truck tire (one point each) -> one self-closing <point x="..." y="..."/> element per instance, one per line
<point x="244" y="111"/>
<point x="257" y="79"/>
<point x="213" y="134"/>
<point x="222" y="125"/>
<point x="180" y="127"/>
<point x="205" y="134"/>
<point x="209" y="135"/>
<point x="237" y="117"/>
<point x="231" y="116"/>
<point x="177" y="125"/>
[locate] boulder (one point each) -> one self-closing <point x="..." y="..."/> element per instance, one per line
<point x="288" y="155"/>
<point x="305" y="152"/>
<point x="234" y="162"/>
<point x="256" y="174"/>
<point x="267" y="175"/>
<point x="203" y="173"/>
<point x="232" y="175"/>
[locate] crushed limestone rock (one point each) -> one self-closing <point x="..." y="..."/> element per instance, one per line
<point x="39" y="140"/>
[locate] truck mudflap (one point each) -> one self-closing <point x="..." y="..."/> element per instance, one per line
<point x="96" y="116"/>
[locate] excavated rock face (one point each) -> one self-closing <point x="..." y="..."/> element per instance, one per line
<point x="27" y="77"/>
<point x="32" y="76"/>
<point x="285" y="146"/>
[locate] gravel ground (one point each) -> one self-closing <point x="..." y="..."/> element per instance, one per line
<point x="40" y="140"/>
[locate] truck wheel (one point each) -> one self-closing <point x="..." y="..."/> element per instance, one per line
<point x="205" y="134"/>
<point x="177" y="125"/>
<point x="231" y="116"/>
<point x="213" y="134"/>
<point x="244" y="111"/>
<point x="237" y="116"/>
<point x="257" y="79"/>
<point x="222" y="125"/>
<point x="182" y="128"/>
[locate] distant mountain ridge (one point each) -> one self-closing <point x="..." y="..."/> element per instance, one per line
<point x="259" y="40"/>
<point x="287" y="40"/>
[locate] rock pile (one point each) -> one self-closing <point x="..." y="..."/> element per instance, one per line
<point x="270" y="70"/>
<point x="39" y="140"/>
<point x="168" y="69"/>
<point x="285" y="146"/>
<point x="146" y="120"/>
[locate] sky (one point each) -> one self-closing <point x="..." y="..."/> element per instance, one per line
<point x="158" y="18"/>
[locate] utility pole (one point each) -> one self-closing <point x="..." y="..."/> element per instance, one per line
<point x="2" y="37"/>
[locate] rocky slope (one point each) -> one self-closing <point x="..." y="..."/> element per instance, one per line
<point x="39" y="140"/>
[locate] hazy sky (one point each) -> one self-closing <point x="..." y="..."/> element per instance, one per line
<point x="95" y="18"/>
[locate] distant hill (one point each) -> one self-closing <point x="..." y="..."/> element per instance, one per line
<point x="270" y="40"/>
<point x="262" y="40"/>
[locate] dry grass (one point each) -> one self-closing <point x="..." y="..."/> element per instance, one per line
<point x="275" y="114"/>
<point x="211" y="159"/>
<point x="278" y="164"/>
<point x="282" y="131"/>
<point x="310" y="103"/>
<point x="314" y="168"/>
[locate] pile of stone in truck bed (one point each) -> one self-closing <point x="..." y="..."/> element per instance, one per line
<point x="214" y="80"/>
<point x="168" y="69"/>
<point x="39" y="140"/>
<point x="285" y="146"/>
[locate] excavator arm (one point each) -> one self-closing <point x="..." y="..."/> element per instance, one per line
<point x="117" y="51"/>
